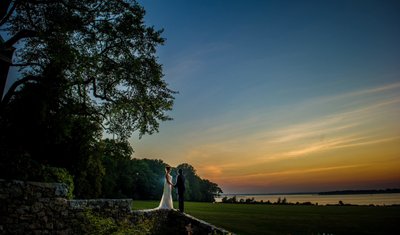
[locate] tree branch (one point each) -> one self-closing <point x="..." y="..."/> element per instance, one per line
<point x="4" y="5"/>
<point x="25" y="64"/>
<point x="103" y="97"/>
<point x="20" y="35"/>
<point x="4" y="14"/>
<point x="14" y="86"/>
<point x="128" y="6"/>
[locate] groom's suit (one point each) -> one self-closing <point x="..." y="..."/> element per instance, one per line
<point x="180" y="185"/>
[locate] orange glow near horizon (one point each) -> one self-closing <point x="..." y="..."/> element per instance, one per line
<point x="352" y="145"/>
<point x="285" y="98"/>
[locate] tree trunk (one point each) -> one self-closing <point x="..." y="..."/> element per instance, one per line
<point x="5" y="62"/>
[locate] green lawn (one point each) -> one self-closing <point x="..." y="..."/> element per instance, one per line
<point x="284" y="219"/>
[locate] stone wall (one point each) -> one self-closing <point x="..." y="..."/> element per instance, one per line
<point x="42" y="208"/>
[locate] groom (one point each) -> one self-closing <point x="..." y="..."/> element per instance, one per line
<point x="180" y="185"/>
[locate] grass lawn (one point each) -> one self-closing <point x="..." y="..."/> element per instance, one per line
<point x="285" y="219"/>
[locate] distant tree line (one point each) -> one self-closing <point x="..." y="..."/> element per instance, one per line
<point x="111" y="173"/>
<point x="279" y="201"/>
<point x="368" y="191"/>
<point x="144" y="178"/>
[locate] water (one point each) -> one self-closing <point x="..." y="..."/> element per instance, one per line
<point x="356" y="199"/>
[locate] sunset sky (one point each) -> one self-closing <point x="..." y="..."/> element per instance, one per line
<point x="281" y="96"/>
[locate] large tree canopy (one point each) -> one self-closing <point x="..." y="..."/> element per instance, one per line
<point x="86" y="66"/>
<point x="97" y="55"/>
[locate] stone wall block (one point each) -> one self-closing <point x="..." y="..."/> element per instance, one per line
<point x="43" y="208"/>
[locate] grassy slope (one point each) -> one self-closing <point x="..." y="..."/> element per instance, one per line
<point x="280" y="219"/>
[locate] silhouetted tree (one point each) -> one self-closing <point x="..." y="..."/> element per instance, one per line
<point x="284" y="201"/>
<point x="279" y="201"/>
<point x="126" y="177"/>
<point x="209" y="190"/>
<point x="96" y="53"/>
<point x="86" y="67"/>
<point x="198" y="189"/>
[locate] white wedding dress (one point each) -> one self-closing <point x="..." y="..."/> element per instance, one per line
<point x="166" y="199"/>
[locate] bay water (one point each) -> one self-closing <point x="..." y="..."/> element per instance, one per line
<point x="355" y="199"/>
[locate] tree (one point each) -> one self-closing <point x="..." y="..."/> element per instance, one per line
<point x="192" y="182"/>
<point x="86" y="66"/>
<point x="96" y="54"/>
<point x="198" y="189"/>
<point x="209" y="190"/>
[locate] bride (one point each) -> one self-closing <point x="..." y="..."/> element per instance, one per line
<point x="166" y="199"/>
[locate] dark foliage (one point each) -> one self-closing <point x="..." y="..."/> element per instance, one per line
<point x="279" y="201"/>
<point x="86" y="67"/>
<point x="144" y="178"/>
<point x="96" y="57"/>
<point x="198" y="189"/>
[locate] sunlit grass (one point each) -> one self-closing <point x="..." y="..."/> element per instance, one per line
<point x="285" y="219"/>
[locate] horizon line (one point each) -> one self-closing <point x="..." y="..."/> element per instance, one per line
<point x="311" y="192"/>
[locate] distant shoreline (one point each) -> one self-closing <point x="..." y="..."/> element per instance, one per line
<point x="345" y="192"/>
<point x="331" y="198"/>
<point x="338" y="192"/>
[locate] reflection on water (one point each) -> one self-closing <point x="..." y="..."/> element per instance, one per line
<point x="356" y="199"/>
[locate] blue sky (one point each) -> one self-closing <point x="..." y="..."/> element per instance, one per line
<point x="311" y="78"/>
<point x="280" y="96"/>
<point x="224" y="55"/>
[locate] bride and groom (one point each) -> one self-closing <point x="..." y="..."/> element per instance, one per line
<point x="166" y="199"/>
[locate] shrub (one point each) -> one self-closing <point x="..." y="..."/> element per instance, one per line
<point x="279" y="200"/>
<point x="99" y="225"/>
<point x="284" y="201"/>
<point x="58" y="175"/>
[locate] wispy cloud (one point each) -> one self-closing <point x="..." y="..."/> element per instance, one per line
<point x="369" y="91"/>
<point x="331" y="123"/>
<point x="277" y="126"/>
<point x="302" y="171"/>
<point x="230" y="144"/>
<point x="266" y="143"/>
<point x="318" y="128"/>
<point x="335" y="143"/>
<point x="359" y="94"/>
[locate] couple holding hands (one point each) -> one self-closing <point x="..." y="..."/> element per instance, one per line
<point x="166" y="199"/>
